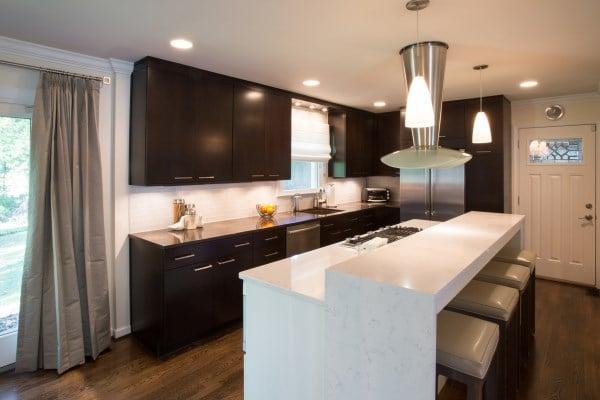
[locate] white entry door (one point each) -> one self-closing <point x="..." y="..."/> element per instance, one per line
<point x="556" y="194"/>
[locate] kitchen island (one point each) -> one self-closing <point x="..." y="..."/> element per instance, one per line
<point x="337" y="324"/>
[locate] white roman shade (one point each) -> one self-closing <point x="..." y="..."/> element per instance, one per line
<point x="310" y="135"/>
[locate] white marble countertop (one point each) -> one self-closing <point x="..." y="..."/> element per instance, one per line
<point x="438" y="261"/>
<point x="304" y="274"/>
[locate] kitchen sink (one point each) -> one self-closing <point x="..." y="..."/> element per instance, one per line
<point x="321" y="211"/>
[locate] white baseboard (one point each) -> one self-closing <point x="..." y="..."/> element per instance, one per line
<point x="122" y="331"/>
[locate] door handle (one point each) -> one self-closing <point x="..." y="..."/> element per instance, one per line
<point x="242" y="244"/>
<point x="588" y="206"/>
<point x="206" y="177"/>
<point x="226" y="262"/>
<point x="258" y="175"/>
<point x="272" y="254"/>
<point x="303" y="229"/>
<point x="271" y="238"/>
<point x="588" y="217"/>
<point x="203" y="268"/>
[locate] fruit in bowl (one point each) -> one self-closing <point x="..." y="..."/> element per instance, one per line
<point x="266" y="210"/>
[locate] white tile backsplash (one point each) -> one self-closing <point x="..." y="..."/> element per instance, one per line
<point x="150" y="207"/>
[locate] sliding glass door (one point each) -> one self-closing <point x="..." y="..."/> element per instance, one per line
<point x="15" y="130"/>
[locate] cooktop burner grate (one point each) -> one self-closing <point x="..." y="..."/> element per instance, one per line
<point x="391" y="233"/>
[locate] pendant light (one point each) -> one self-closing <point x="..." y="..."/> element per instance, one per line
<point x="481" y="128"/>
<point x="419" y="108"/>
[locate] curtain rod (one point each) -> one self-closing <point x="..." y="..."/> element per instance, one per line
<point x="105" y="79"/>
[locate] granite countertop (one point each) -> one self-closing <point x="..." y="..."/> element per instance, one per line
<point x="220" y="229"/>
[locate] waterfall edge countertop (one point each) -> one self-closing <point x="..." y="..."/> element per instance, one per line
<point x="438" y="261"/>
<point x="221" y="229"/>
<point x="304" y="274"/>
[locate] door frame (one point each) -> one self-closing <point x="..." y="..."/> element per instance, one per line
<point x="515" y="176"/>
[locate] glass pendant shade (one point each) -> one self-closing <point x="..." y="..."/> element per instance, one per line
<point x="419" y="108"/>
<point x="438" y="157"/>
<point x="481" y="129"/>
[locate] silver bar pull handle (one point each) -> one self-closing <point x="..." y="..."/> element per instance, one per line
<point x="483" y="151"/>
<point x="272" y="254"/>
<point x="206" y="177"/>
<point x="273" y="175"/>
<point x="242" y="244"/>
<point x="226" y="262"/>
<point x="257" y="175"/>
<point x="203" y="268"/>
<point x="184" y="257"/>
<point x="271" y="238"/>
<point x="183" y="178"/>
<point x="304" y="229"/>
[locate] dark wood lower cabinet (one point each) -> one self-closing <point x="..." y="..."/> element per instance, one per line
<point x="188" y="304"/>
<point x="182" y="293"/>
<point x="227" y="287"/>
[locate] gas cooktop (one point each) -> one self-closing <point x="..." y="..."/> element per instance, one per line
<point x="391" y="233"/>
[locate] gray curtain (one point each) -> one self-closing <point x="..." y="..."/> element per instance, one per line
<point x="64" y="314"/>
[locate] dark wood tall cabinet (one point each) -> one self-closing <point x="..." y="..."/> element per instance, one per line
<point x="278" y="136"/>
<point x="249" y="132"/>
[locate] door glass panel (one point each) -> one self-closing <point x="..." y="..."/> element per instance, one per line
<point x="556" y="151"/>
<point x="14" y="186"/>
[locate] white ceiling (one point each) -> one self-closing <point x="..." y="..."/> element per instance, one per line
<point x="351" y="46"/>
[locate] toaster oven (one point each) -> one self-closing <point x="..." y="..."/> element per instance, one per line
<point x="376" y="195"/>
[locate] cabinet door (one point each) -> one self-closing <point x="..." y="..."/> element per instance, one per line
<point x="249" y="133"/>
<point x="452" y="126"/>
<point x="484" y="183"/>
<point x="359" y="144"/>
<point x="170" y="127"/>
<point x="278" y="136"/>
<point x="228" y="286"/>
<point x="388" y="141"/>
<point x="188" y="302"/>
<point x="214" y="124"/>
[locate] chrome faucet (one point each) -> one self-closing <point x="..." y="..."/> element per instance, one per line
<point x="296" y="203"/>
<point x="320" y="198"/>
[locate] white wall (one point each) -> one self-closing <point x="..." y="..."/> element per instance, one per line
<point x="579" y="109"/>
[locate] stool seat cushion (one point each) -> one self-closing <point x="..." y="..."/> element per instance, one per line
<point x="466" y="344"/>
<point x="524" y="257"/>
<point x="501" y="273"/>
<point x="487" y="299"/>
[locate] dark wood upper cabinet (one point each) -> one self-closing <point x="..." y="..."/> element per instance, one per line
<point x="353" y="143"/>
<point x="213" y="139"/>
<point x="278" y="136"/>
<point x="181" y="125"/>
<point x="249" y="111"/>
<point x="452" y="126"/>
<point x="162" y="119"/>
<point x="388" y="141"/>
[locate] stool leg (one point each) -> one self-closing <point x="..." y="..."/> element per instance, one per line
<point x="490" y="386"/>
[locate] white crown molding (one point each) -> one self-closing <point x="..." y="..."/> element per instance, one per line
<point x="558" y="99"/>
<point x="120" y="66"/>
<point x="36" y="55"/>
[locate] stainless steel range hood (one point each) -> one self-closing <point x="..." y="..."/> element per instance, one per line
<point x="427" y="59"/>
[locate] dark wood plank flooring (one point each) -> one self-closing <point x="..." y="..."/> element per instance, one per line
<point x="566" y="363"/>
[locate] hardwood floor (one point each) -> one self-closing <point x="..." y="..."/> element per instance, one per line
<point x="565" y="365"/>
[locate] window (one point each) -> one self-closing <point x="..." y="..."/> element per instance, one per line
<point x="306" y="177"/>
<point x="556" y="151"/>
<point x="14" y="187"/>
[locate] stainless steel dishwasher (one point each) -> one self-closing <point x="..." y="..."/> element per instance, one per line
<point x="302" y="238"/>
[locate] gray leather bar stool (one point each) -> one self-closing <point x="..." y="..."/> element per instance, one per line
<point x="517" y="277"/>
<point x="526" y="258"/>
<point x="497" y="304"/>
<point x="466" y="352"/>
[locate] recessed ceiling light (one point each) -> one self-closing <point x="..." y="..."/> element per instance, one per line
<point x="311" y="82"/>
<point x="324" y="109"/>
<point x="253" y="94"/>
<point x="181" y="44"/>
<point x="528" y="84"/>
<point x="379" y="104"/>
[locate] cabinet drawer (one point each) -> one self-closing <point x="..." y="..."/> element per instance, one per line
<point x="206" y="251"/>
<point x="269" y="254"/>
<point x="269" y="238"/>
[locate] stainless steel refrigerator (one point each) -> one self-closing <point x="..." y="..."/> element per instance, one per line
<point x="435" y="194"/>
